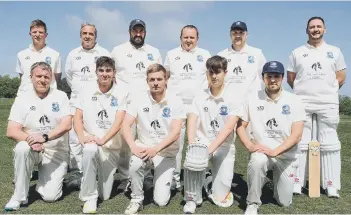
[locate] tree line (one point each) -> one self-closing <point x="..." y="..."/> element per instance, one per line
<point x="9" y="86"/>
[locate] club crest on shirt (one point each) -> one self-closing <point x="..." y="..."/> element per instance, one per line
<point x="286" y="109"/>
<point x="223" y="110"/>
<point x="330" y="55"/>
<point x="150" y="56"/>
<point x="55" y="107"/>
<point x="32" y="108"/>
<point x="114" y="102"/>
<point x="251" y="59"/>
<point x="166" y="112"/>
<point x="48" y="60"/>
<point x="200" y="58"/>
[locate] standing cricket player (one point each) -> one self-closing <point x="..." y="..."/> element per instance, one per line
<point x="244" y="62"/>
<point x="158" y="116"/>
<point x="39" y="121"/>
<point x="277" y="119"/>
<point x="80" y="71"/>
<point x="212" y="119"/>
<point x="132" y="60"/>
<point x="187" y="68"/>
<point x="37" y="51"/>
<point x="99" y="114"/>
<point x="316" y="71"/>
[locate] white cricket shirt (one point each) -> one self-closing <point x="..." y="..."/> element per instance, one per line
<point x="271" y="120"/>
<point x="99" y="111"/>
<point x="38" y="115"/>
<point x="188" y="72"/>
<point x="132" y="63"/>
<point x="212" y="113"/>
<point x="153" y="120"/>
<point x="27" y="57"/>
<point x="81" y="66"/>
<point x="244" y="69"/>
<point x="315" y="70"/>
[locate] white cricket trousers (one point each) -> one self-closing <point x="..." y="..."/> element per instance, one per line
<point x="52" y="166"/>
<point x="163" y="173"/>
<point x="101" y="162"/>
<point x="178" y="168"/>
<point x="283" y="179"/>
<point x="327" y="124"/>
<point x="76" y="151"/>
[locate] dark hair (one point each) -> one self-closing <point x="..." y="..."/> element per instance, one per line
<point x="105" y="61"/>
<point x="216" y="64"/>
<point x="157" y="68"/>
<point x="313" y="18"/>
<point x="189" y="26"/>
<point x="37" y="23"/>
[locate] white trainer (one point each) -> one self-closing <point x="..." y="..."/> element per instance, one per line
<point x="332" y="192"/>
<point x="14" y="205"/>
<point x="251" y="209"/>
<point x="90" y="206"/>
<point x="189" y="207"/>
<point x="134" y="207"/>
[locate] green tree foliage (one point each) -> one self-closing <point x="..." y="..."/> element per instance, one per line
<point x="345" y="105"/>
<point x="8" y="86"/>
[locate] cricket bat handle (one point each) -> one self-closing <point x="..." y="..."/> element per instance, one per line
<point x="314" y="127"/>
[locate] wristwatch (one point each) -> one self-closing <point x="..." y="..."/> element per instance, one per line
<point x="46" y="137"/>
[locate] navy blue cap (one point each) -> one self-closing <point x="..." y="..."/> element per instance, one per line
<point x="273" y="67"/>
<point x="136" y="22"/>
<point x="239" y="25"/>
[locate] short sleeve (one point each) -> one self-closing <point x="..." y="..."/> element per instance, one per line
<point x="122" y="106"/>
<point x="291" y="63"/>
<point x="299" y="113"/>
<point x="178" y="110"/>
<point x="167" y="63"/>
<point x="66" y="108"/>
<point x="132" y="107"/>
<point x="58" y="65"/>
<point x="194" y="108"/>
<point x="245" y="111"/>
<point x="18" y="66"/>
<point x="17" y="113"/>
<point x="340" y="62"/>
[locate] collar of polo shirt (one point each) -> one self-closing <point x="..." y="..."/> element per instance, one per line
<point x="319" y="47"/>
<point x="33" y="49"/>
<point x="98" y="91"/>
<point x="141" y="48"/>
<point x="164" y="100"/>
<point x="191" y="51"/>
<point x="242" y="50"/>
<point x="36" y="95"/>
<point x="90" y="50"/>
<point x="219" y="97"/>
<point x="276" y="99"/>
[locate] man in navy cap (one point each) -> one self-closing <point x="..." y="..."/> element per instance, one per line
<point x="244" y="62"/>
<point x="132" y="59"/>
<point x="277" y="118"/>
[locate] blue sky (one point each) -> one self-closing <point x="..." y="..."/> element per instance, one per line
<point x="275" y="27"/>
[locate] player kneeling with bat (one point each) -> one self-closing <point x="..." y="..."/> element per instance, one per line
<point x="158" y="116"/>
<point x="100" y="110"/>
<point x="277" y="118"/>
<point x="211" y="124"/>
<point x="39" y="122"/>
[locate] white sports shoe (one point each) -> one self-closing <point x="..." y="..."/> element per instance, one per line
<point x="297" y="189"/>
<point x="332" y="192"/>
<point x="134" y="207"/>
<point x="251" y="209"/>
<point x="189" y="207"/>
<point x="90" y="206"/>
<point x="14" y="205"/>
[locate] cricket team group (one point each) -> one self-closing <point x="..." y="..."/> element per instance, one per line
<point x="129" y="112"/>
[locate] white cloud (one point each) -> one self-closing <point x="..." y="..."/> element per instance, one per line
<point x="167" y="7"/>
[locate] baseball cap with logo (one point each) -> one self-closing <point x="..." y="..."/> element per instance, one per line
<point x="239" y="25"/>
<point x="136" y="22"/>
<point x="273" y="67"/>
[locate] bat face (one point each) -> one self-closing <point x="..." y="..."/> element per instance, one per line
<point x="314" y="169"/>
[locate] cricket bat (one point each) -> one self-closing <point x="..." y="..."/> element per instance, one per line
<point x="314" y="162"/>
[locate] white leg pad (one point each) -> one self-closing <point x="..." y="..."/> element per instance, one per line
<point x="330" y="169"/>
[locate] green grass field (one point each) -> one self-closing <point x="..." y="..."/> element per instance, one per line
<point x="70" y="203"/>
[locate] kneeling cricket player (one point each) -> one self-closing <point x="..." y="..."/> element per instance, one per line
<point x="277" y="118"/>
<point x="158" y="115"/>
<point x="39" y="121"/>
<point x="100" y="110"/>
<point x="211" y="123"/>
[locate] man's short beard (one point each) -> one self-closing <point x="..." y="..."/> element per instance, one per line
<point x="132" y="41"/>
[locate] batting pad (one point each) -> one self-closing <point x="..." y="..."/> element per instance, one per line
<point x="193" y="182"/>
<point x="330" y="169"/>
